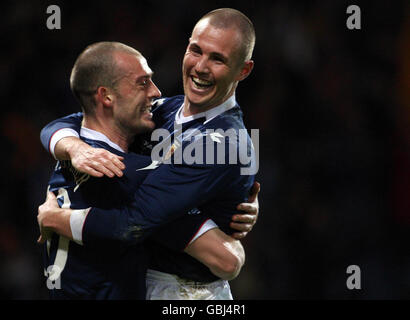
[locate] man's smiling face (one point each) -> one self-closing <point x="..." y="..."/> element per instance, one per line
<point x="211" y="65"/>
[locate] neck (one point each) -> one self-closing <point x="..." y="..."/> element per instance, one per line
<point x="109" y="130"/>
<point x="190" y="108"/>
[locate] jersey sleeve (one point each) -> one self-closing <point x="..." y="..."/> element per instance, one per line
<point x="167" y="194"/>
<point x="179" y="233"/>
<point x="60" y="128"/>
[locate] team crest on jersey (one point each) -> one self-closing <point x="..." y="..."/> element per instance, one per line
<point x="171" y="150"/>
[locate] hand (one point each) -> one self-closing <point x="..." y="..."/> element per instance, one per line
<point x="244" y="222"/>
<point x="96" y="162"/>
<point x="44" y="211"/>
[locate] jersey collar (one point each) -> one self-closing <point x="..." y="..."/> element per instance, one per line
<point x="95" y="135"/>
<point x="208" y="115"/>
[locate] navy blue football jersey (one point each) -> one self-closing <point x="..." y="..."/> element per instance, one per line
<point x="229" y="188"/>
<point x="179" y="196"/>
<point x="109" y="270"/>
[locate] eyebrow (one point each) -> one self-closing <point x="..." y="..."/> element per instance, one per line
<point x="145" y="76"/>
<point x="212" y="54"/>
<point x="219" y="56"/>
<point x="194" y="46"/>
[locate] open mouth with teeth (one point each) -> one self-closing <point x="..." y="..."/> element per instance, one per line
<point x="200" y="83"/>
<point x="146" y="109"/>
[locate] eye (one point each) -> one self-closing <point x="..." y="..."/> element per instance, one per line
<point x="195" y="50"/>
<point x="218" y="60"/>
<point x="144" y="82"/>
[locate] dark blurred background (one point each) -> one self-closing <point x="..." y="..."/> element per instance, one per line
<point x="331" y="104"/>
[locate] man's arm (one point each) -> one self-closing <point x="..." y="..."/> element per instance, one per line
<point x="66" y="126"/>
<point x="97" y="162"/>
<point x="222" y="254"/>
<point x="52" y="217"/>
<point x="166" y="194"/>
<point x="61" y="138"/>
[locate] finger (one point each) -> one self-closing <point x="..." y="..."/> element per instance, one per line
<point x="108" y="164"/>
<point x="108" y="157"/>
<point x="244" y="218"/>
<point x="92" y="172"/>
<point x="256" y="188"/>
<point x="117" y="161"/>
<point x="241" y="226"/>
<point x="239" y="235"/>
<point x="116" y="171"/>
<point x="248" y="208"/>
<point x="98" y="166"/>
<point x="41" y="240"/>
<point x="113" y="166"/>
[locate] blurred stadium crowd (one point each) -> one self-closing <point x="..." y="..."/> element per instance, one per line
<point x="331" y="104"/>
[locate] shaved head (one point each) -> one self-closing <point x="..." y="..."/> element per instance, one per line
<point x="226" y="18"/>
<point x="97" y="66"/>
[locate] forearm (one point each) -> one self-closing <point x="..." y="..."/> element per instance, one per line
<point x="64" y="148"/>
<point x="59" y="222"/>
<point x="93" y="161"/>
<point x="167" y="194"/>
<point x="230" y="270"/>
<point x="239" y="252"/>
<point x="223" y="255"/>
<point x="60" y="128"/>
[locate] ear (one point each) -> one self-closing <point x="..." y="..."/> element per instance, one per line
<point x="246" y="70"/>
<point x="105" y="97"/>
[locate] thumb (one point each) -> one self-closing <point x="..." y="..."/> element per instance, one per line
<point x="50" y="196"/>
<point x="254" y="191"/>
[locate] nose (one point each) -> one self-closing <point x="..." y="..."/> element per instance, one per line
<point x="154" y="91"/>
<point x="201" y="65"/>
